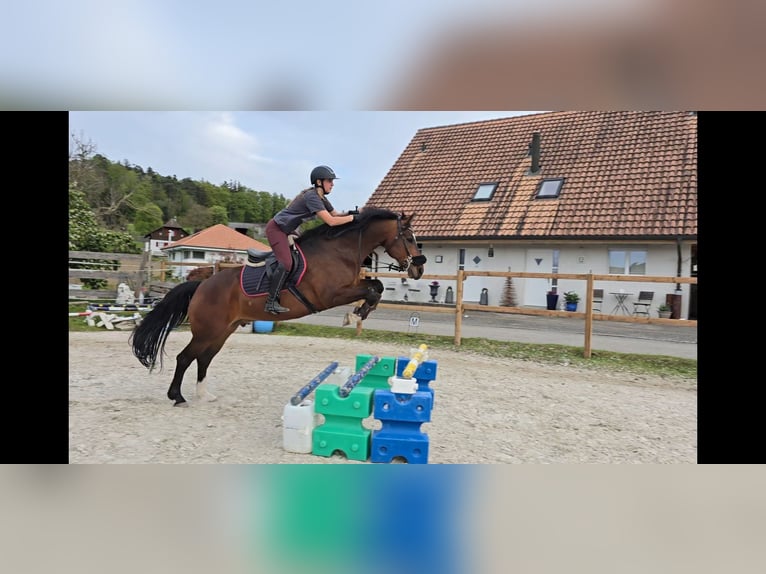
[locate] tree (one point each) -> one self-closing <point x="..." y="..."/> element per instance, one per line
<point x="86" y="235"/>
<point x="80" y="154"/>
<point x="509" y="293"/>
<point x="218" y="215"/>
<point x="198" y="217"/>
<point x="147" y="219"/>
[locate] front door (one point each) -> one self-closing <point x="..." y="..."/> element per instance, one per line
<point x="537" y="261"/>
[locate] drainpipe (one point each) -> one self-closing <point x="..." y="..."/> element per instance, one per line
<point x="680" y="262"/>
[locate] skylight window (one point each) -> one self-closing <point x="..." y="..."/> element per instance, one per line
<point x="485" y="191"/>
<point x="550" y="187"/>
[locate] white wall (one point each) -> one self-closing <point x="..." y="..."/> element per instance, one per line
<point x="661" y="261"/>
<point x="210" y="256"/>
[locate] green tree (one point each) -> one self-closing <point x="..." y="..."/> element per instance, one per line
<point x="215" y="195"/>
<point x="86" y="235"/>
<point x="147" y="219"/>
<point x="218" y="214"/>
<point x="197" y="218"/>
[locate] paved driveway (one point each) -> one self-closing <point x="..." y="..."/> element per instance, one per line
<point x="644" y="339"/>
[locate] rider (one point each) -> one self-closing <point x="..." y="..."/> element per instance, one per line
<point x="310" y="203"/>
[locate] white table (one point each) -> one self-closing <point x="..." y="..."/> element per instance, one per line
<point x="621" y="297"/>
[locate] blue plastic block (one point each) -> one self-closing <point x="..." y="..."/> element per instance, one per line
<point x="424" y="374"/>
<point x="414" y="408"/>
<point x="413" y="447"/>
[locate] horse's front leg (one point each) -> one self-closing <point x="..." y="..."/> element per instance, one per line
<point x="371" y="299"/>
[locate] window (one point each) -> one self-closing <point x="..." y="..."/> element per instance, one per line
<point x="550" y="187"/>
<point x="627" y="262"/>
<point x="485" y="191"/>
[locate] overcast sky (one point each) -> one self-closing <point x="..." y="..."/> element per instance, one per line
<point x="265" y="151"/>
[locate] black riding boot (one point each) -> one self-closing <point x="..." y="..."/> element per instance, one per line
<point x="277" y="281"/>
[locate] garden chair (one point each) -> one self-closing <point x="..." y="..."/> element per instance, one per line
<point x="598" y="299"/>
<point x="641" y="305"/>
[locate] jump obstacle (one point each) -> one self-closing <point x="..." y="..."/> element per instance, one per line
<point x="394" y="391"/>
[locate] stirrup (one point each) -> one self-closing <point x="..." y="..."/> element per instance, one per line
<point x="275" y="308"/>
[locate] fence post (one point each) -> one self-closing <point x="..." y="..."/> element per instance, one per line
<point x="459" y="306"/>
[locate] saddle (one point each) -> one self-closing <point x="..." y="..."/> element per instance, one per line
<point x="256" y="274"/>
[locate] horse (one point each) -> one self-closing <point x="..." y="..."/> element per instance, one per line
<point x="331" y="277"/>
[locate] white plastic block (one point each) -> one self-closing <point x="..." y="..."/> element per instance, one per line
<point x="299" y="423"/>
<point x="400" y="385"/>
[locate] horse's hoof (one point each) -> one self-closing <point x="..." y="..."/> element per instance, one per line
<point x="181" y="404"/>
<point x="208" y="397"/>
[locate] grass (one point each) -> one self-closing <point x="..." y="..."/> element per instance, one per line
<point x="657" y="365"/>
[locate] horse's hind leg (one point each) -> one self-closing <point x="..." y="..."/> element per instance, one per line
<point x="203" y="362"/>
<point x="183" y="360"/>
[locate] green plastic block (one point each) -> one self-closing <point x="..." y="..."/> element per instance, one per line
<point x="358" y="403"/>
<point x="342" y="428"/>
<point x="377" y="377"/>
<point x="355" y="444"/>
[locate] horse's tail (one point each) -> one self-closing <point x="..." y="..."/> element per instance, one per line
<point x="149" y="336"/>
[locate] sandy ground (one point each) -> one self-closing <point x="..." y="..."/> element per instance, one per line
<point x="485" y="411"/>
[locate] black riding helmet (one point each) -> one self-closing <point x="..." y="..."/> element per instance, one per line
<point x="322" y="172"/>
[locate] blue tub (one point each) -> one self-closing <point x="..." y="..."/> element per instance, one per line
<point x="263" y="326"/>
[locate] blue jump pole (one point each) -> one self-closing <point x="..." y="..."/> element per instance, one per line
<point x="354" y="379"/>
<point x="314" y="383"/>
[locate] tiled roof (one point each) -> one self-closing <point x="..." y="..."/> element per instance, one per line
<point x="173" y="224"/>
<point x="626" y="174"/>
<point x="220" y="237"/>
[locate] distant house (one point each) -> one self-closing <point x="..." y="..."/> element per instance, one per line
<point x="211" y="245"/>
<point x="559" y="192"/>
<point x="163" y="236"/>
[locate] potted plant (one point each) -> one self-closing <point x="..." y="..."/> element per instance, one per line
<point x="552" y="299"/>
<point x="664" y="311"/>
<point x="571" y="299"/>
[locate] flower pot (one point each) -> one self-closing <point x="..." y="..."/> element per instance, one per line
<point x="664" y="314"/>
<point x="571" y="306"/>
<point x="552" y="301"/>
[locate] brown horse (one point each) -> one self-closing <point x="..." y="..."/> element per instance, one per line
<point x="216" y="306"/>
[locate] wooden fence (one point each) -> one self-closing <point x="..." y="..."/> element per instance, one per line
<point x="139" y="270"/>
<point x="142" y="270"/>
<point x="589" y="278"/>
<point x="115" y="268"/>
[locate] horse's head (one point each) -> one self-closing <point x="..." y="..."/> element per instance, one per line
<point x="376" y="227"/>
<point x="403" y="246"/>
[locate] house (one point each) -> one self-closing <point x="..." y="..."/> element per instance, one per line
<point x="163" y="236"/>
<point x="559" y="192"/>
<point x="211" y="245"/>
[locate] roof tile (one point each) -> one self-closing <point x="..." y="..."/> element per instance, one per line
<point x="220" y="237"/>
<point x="627" y="174"/>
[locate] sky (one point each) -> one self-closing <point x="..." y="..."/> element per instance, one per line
<point x="265" y="151"/>
<point x="185" y="54"/>
<point x="393" y="55"/>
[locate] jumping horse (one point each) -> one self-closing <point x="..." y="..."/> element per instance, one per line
<point x="330" y="270"/>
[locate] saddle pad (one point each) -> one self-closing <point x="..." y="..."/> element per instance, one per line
<point x="254" y="281"/>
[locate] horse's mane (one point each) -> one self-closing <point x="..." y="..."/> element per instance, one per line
<point x="365" y="217"/>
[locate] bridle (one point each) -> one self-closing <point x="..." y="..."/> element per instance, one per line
<point x="411" y="259"/>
